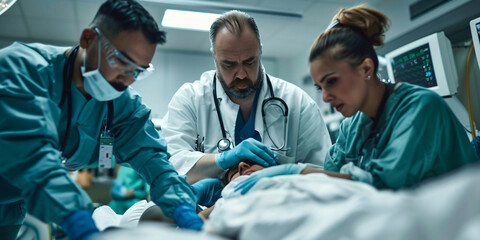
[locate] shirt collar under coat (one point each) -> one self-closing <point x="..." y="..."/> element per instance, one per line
<point x="232" y="109"/>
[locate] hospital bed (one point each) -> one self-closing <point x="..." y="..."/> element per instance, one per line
<point x="316" y="206"/>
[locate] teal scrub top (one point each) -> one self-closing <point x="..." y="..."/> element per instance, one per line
<point x="419" y="137"/>
<point x="131" y="181"/>
<point x="32" y="127"/>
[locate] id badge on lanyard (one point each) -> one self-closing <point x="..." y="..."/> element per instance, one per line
<point x="105" y="157"/>
<point x="107" y="139"/>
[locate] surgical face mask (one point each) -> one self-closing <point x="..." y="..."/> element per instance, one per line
<point x="96" y="85"/>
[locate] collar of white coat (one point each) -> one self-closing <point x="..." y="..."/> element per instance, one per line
<point x="222" y="95"/>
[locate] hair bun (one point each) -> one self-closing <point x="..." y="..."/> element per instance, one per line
<point x="372" y="23"/>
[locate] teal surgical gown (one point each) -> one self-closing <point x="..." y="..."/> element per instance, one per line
<point x="32" y="126"/>
<point x="419" y="137"/>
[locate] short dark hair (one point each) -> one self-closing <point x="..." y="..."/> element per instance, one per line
<point x="115" y="16"/>
<point x="235" y="21"/>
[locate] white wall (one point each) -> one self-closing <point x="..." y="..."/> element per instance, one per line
<point x="174" y="68"/>
<point x="295" y="70"/>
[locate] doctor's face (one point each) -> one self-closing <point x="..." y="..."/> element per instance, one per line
<point x="135" y="49"/>
<point x="237" y="59"/>
<point x="341" y="84"/>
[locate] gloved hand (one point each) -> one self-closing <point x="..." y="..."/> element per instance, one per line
<point x="248" y="149"/>
<point x="208" y="191"/>
<point x="357" y="173"/>
<point x="187" y="218"/>
<point x="118" y="191"/>
<point x="284" y="169"/>
<point x="79" y="225"/>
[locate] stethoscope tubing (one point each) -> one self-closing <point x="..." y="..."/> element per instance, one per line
<point x="67" y="96"/>
<point x="224" y="143"/>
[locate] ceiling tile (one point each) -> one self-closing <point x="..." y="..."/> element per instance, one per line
<point x="63" y="20"/>
<point x="244" y="2"/>
<point x="285" y="5"/>
<point x="48" y="9"/>
<point x="85" y="12"/>
<point x="60" y="31"/>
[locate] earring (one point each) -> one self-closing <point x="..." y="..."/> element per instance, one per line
<point x="369" y="77"/>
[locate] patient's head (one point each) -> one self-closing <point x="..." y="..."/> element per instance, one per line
<point x="245" y="167"/>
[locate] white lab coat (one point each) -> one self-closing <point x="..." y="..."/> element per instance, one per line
<point x="192" y="111"/>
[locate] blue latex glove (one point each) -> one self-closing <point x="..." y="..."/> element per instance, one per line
<point x="79" y="225"/>
<point x="118" y="191"/>
<point x="248" y="149"/>
<point x="284" y="169"/>
<point x="187" y="218"/>
<point x="357" y="173"/>
<point x="208" y="191"/>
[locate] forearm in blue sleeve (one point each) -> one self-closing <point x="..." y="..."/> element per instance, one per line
<point x="30" y="161"/>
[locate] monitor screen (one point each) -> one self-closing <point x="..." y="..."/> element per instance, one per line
<point x="427" y="62"/>
<point x="415" y="66"/>
<point x="475" y="30"/>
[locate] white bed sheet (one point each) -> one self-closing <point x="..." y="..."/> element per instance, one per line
<point x="105" y="217"/>
<point x="316" y="206"/>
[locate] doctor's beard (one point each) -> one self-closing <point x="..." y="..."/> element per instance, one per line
<point x="243" y="93"/>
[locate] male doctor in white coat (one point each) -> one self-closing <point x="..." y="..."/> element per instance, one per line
<point x="204" y="141"/>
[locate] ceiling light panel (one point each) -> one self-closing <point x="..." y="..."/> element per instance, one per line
<point x="188" y="20"/>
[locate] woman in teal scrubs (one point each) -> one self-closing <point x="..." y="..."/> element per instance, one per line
<point x="394" y="136"/>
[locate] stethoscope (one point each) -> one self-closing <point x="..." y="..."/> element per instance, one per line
<point x="67" y="96"/>
<point x="224" y="143"/>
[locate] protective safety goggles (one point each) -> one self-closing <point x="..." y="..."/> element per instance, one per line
<point x="122" y="63"/>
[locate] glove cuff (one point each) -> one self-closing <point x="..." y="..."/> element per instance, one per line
<point x="357" y="173"/>
<point x="186" y="217"/>
<point x="219" y="160"/>
<point x="79" y="225"/>
<point x="298" y="168"/>
<point x="185" y="207"/>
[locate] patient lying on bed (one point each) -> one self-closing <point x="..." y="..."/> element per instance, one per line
<point x="232" y="176"/>
<point x="315" y="206"/>
<point x="144" y="211"/>
<point x="319" y="207"/>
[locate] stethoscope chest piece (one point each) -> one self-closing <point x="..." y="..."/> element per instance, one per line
<point x="223" y="144"/>
<point x="276" y="105"/>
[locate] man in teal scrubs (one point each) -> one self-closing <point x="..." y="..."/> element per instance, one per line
<point x="54" y="105"/>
